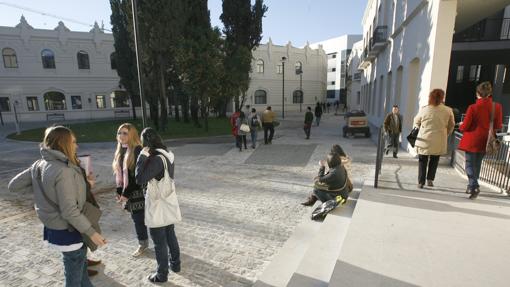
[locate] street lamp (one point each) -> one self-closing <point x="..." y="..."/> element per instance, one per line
<point x="299" y="72"/>
<point x="16" y="122"/>
<point x="138" y="60"/>
<point x="283" y="86"/>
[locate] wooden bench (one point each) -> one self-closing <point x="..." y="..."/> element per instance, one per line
<point x="122" y="114"/>
<point x="55" y="117"/>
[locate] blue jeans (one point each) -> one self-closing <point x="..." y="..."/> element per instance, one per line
<point x="164" y="239"/>
<point x="473" y="166"/>
<point x="75" y="268"/>
<point x="253" y="134"/>
<point x="139" y="220"/>
<point x="317" y="120"/>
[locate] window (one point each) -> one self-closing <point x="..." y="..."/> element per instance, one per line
<point x="260" y="66"/>
<point x="279" y="68"/>
<point x="331" y="94"/>
<point x="76" y="102"/>
<point x="474" y="72"/>
<point x="5" y="104"/>
<point x="333" y="70"/>
<point x="54" y="101"/>
<point x="299" y="68"/>
<point x="358" y="98"/>
<point x="48" y="59"/>
<point x="10" y="60"/>
<point x="119" y="99"/>
<point x="332" y="83"/>
<point x="260" y="97"/>
<point x="100" y="102"/>
<point x="332" y="56"/>
<point x="113" y="61"/>
<point x="460" y="74"/>
<point x="297" y="97"/>
<point x="83" y="60"/>
<point x="32" y="104"/>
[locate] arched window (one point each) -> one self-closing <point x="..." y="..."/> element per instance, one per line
<point x="119" y="99"/>
<point x="48" y="59"/>
<point x="83" y="60"/>
<point x="297" y="97"/>
<point x="299" y="68"/>
<point x="260" y="66"/>
<point x="113" y="61"/>
<point x="54" y="101"/>
<point x="10" y="60"/>
<point x="260" y="97"/>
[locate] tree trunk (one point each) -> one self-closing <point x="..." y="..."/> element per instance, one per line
<point x="194" y="110"/>
<point x="184" y="105"/>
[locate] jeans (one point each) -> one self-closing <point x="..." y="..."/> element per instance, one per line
<point x="393" y="142"/>
<point x="324" y="196"/>
<point x="164" y="239"/>
<point x="75" y="268"/>
<point x="473" y="166"/>
<point x="240" y="140"/>
<point x="268" y="127"/>
<point x="139" y="220"/>
<point x="432" y="161"/>
<point x="253" y="134"/>
<point x="307" y="128"/>
<point x="317" y="120"/>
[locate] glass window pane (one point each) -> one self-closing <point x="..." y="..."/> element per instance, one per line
<point x="119" y="99"/>
<point x="83" y="60"/>
<point x="100" y="102"/>
<point x="32" y="104"/>
<point x="54" y="101"/>
<point x="5" y="105"/>
<point x="76" y="102"/>
<point x="260" y="97"/>
<point x="9" y="56"/>
<point x="48" y="59"/>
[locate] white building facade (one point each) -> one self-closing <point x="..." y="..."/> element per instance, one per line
<point x="305" y="70"/>
<point x="353" y="85"/>
<point x="337" y="50"/>
<point x="406" y="51"/>
<point x="58" y="74"/>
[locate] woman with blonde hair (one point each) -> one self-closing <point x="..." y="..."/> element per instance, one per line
<point x="435" y="122"/>
<point x="130" y="194"/>
<point x="59" y="187"/>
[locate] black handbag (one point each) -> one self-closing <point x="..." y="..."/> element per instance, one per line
<point x="413" y="135"/>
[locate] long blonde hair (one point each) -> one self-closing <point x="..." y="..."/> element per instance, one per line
<point x="133" y="142"/>
<point x="61" y="138"/>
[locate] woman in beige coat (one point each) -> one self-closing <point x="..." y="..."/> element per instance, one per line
<point x="436" y="122"/>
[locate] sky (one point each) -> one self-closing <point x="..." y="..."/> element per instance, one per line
<point x="297" y="21"/>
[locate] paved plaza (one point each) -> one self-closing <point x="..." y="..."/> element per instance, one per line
<point x="238" y="208"/>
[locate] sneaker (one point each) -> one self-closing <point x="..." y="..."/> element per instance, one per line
<point x="474" y="193"/>
<point x="386" y="151"/>
<point x="176" y="268"/>
<point x="430" y="183"/>
<point x="420" y="185"/>
<point x="155" y="279"/>
<point x="140" y="250"/>
<point x="340" y="200"/>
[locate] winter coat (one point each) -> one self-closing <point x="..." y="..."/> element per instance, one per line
<point x="390" y="126"/>
<point x="308" y="118"/>
<point x="64" y="184"/>
<point x="318" y="111"/>
<point x="476" y="124"/>
<point x="268" y="116"/>
<point x="133" y="191"/>
<point x="239" y="122"/>
<point x="435" y="123"/>
<point x="149" y="167"/>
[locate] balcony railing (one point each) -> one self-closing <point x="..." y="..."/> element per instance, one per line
<point x="485" y="30"/>
<point x="380" y="36"/>
<point x="357" y="77"/>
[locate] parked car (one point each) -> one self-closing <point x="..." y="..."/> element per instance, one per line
<point x="356" y="123"/>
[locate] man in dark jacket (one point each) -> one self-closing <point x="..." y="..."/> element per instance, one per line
<point x="308" y="122"/>
<point x="393" y="127"/>
<point x="318" y="113"/>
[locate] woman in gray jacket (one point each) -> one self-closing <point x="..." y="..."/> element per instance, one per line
<point x="59" y="191"/>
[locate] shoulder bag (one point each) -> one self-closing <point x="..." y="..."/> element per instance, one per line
<point x="413" y="135"/>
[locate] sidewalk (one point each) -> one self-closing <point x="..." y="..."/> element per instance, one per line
<point x="401" y="235"/>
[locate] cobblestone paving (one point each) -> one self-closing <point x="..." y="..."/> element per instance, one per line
<point x="236" y="215"/>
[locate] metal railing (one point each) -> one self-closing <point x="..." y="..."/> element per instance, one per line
<point x="486" y="30"/>
<point x="495" y="168"/>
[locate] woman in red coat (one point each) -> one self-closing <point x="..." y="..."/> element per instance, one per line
<point x="475" y="128"/>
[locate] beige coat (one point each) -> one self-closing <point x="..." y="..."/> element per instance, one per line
<point x="435" y="123"/>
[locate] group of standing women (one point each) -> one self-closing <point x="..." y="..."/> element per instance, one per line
<point x="144" y="172"/>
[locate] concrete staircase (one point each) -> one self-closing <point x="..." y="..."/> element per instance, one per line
<point x="309" y="256"/>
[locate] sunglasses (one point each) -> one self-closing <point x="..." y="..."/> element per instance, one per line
<point x="122" y="133"/>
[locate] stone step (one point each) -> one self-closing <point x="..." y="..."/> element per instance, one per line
<point x="317" y="265"/>
<point x="285" y="263"/>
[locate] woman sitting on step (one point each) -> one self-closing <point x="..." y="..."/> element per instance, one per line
<point x="332" y="184"/>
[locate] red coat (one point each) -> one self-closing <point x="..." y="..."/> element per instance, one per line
<point x="233" y="121"/>
<point x="476" y="125"/>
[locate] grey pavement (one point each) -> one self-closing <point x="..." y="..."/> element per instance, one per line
<point x="238" y="208"/>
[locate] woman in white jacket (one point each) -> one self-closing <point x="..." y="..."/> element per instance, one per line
<point x="155" y="171"/>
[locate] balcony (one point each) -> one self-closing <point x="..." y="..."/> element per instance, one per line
<point x="357" y="76"/>
<point x="379" y="40"/>
<point x="497" y="29"/>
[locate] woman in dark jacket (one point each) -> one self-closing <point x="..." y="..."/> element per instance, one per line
<point x="129" y="193"/>
<point x="332" y="184"/>
<point x="150" y="166"/>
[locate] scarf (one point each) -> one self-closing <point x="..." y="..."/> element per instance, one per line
<point x="122" y="174"/>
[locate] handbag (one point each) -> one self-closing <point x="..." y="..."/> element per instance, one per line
<point x="90" y="211"/>
<point x="493" y="143"/>
<point x="161" y="205"/>
<point x="245" y="128"/>
<point x="413" y="135"/>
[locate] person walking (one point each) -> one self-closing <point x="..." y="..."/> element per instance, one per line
<point x="59" y="188"/>
<point x="393" y="127"/>
<point x="318" y="113"/>
<point x="233" y="125"/>
<point x="308" y="122"/>
<point x="268" y="118"/>
<point x="255" y="123"/>
<point x="155" y="171"/>
<point x="241" y="124"/>
<point x="475" y="129"/>
<point x="435" y="122"/>
<point x="130" y="194"/>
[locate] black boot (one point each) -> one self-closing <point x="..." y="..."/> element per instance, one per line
<point x="310" y="201"/>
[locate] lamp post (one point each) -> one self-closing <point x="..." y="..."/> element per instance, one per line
<point x="300" y="73"/>
<point x="16" y="122"/>
<point x="138" y="61"/>
<point x="283" y="86"/>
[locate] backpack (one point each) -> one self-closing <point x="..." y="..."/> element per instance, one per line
<point x="254" y="121"/>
